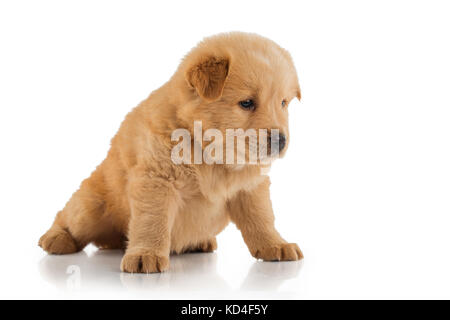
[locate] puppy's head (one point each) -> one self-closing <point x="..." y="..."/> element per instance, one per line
<point x="241" y="81"/>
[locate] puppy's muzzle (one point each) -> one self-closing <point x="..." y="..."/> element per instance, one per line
<point x="277" y="142"/>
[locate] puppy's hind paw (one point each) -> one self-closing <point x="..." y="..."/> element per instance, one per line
<point x="58" y="241"/>
<point x="144" y="263"/>
<point x="204" y="246"/>
<point x="207" y="246"/>
<point x="280" y="252"/>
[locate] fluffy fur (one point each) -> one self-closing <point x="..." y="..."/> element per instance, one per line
<point x="139" y="200"/>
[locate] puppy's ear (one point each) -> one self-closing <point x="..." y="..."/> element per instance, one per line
<point x="208" y="77"/>
<point x="298" y="93"/>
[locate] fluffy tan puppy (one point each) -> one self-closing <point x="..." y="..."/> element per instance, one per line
<point x="139" y="199"/>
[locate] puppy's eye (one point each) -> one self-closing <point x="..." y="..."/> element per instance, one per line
<point x="283" y="103"/>
<point x="247" y="104"/>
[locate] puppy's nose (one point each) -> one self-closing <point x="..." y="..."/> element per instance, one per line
<point x="277" y="141"/>
<point x="281" y="141"/>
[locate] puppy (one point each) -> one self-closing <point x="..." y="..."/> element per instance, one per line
<point x="142" y="200"/>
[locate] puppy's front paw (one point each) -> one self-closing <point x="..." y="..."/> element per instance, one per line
<point x="144" y="263"/>
<point x="279" y="252"/>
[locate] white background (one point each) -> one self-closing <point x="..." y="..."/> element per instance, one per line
<point x="364" y="188"/>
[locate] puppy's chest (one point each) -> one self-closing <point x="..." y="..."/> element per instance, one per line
<point x="203" y="213"/>
<point x="217" y="187"/>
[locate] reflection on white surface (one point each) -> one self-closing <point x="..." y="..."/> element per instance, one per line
<point x="188" y="272"/>
<point x="270" y="275"/>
